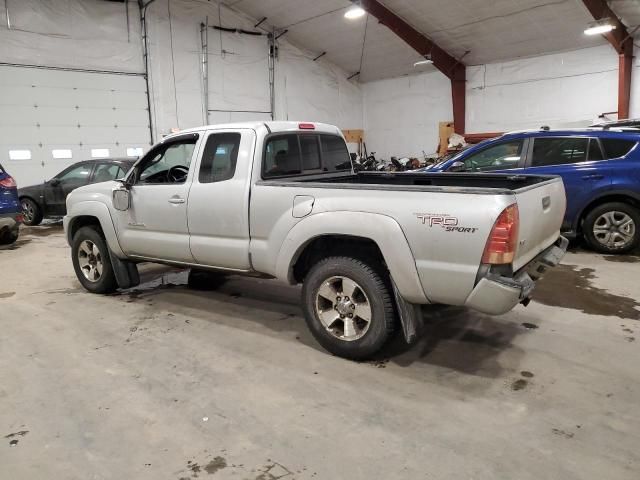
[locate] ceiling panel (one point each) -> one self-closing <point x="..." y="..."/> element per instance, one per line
<point x="489" y="31"/>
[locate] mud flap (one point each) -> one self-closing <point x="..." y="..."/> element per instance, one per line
<point x="410" y="316"/>
<point x="126" y="272"/>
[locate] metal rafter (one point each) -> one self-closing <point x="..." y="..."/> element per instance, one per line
<point x="622" y="42"/>
<point x="453" y="68"/>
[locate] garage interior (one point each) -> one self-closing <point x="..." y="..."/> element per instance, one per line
<point x="165" y="381"/>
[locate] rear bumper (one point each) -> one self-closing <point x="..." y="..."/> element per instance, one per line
<point x="496" y="294"/>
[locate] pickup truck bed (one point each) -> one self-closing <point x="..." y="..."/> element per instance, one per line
<point x="469" y="182"/>
<point x="279" y="204"/>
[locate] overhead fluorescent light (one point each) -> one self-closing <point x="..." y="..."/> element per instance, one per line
<point x="427" y="61"/>
<point x="354" y="12"/>
<point x="599" y="27"/>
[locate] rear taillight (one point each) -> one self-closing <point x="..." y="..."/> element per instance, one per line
<point x="503" y="239"/>
<point x="306" y="126"/>
<point x="8" y="182"/>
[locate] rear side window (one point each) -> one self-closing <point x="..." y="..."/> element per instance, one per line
<point x="219" y="157"/>
<point x="335" y="155"/>
<point x="559" y="151"/>
<point x="614" y="148"/>
<point x="295" y="154"/>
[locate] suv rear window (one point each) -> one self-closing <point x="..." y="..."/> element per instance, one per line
<point x="615" y="148"/>
<point x="304" y="153"/>
<point x="559" y="151"/>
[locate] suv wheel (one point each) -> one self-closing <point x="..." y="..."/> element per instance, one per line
<point x="612" y="228"/>
<point x="348" y="307"/>
<point x="90" y="257"/>
<point x="31" y="212"/>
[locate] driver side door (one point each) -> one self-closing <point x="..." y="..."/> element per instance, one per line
<point x="155" y="225"/>
<point x="57" y="189"/>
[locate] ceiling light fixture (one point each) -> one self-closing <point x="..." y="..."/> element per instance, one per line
<point x="601" y="26"/>
<point x="354" y="12"/>
<point x="427" y="61"/>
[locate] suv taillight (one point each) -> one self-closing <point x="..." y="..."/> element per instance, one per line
<point x="8" y="182"/>
<point x="503" y="239"/>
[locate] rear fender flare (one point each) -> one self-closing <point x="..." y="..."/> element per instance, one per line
<point x="383" y="230"/>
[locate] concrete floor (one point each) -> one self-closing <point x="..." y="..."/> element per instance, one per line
<point x="167" y="383"/>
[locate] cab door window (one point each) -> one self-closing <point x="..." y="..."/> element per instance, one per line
<point x="502" y="156"/>
<point x="167" y="163"/>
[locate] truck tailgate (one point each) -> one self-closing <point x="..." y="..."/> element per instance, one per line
<point x="541" y="209"/>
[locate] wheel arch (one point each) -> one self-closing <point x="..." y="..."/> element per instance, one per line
<point x="93" y="214"/>
<point x="623" y="196"/>
<point x="373" y="235"/>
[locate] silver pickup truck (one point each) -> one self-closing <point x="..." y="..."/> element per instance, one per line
<point x="281" y="200"/>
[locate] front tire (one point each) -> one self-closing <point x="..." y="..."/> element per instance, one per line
<point x="612" y="228"/>
<point x="348" y="307"/>
<point x="91" y="261"/>
<point x="31" y="212"/>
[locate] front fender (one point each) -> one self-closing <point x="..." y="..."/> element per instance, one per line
<point x="382" y="229"/>
<point x="100" y="211"/>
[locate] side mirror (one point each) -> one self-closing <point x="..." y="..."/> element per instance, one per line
<point x="121" y="199"/>
<point x="457" y="167"/>
<point x="54" y="182"/>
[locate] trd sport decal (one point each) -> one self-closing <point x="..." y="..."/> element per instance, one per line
<point x="443" y="220"/>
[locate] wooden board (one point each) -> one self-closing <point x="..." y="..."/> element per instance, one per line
<point x="353" y="136"/>
<point x="445" y="130"/>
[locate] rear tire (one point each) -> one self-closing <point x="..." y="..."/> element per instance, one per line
<point x="91" y="261"/>
<point x="31" y="212"/>
<point x="348" y="307"/>
<point x="612" y="228"/>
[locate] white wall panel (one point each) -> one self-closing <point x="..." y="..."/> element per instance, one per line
<point x="317" y="91"/>
<point x="565" y="89"/>
<point x="401" y="115"/>
<point x="89" y="34"/>
<point x="568" y="89"/>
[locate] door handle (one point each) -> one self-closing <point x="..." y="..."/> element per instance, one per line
<point x="595" y="176"/>
<point x="176" y="200"/>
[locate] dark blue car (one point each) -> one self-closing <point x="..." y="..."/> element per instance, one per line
<point x="601" y="173"/>
<point x="10" y="209"/>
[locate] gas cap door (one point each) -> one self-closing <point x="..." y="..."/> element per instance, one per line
<point x="302" y="205"/>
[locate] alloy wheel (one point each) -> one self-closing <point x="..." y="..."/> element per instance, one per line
<point x="343" y="308"/>
<point x="614" y="229"/>
<point x="90" y="260"/>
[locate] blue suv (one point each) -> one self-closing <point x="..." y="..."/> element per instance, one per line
<point x="10" y="210"/>
<point x="600" y="168"/>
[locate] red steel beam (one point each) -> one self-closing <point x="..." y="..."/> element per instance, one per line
<point x="443" y="61"/>
<point x="622" y="42"/>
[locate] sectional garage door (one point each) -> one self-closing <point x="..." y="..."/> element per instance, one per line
<point x="51" y="118"/>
